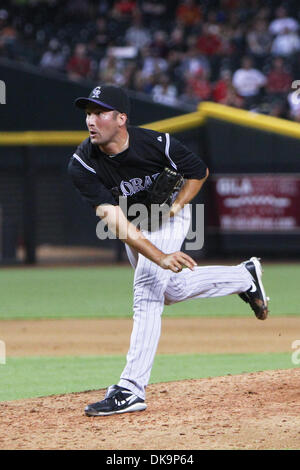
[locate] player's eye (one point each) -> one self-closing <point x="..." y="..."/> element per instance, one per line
<point x="88" y="113"/>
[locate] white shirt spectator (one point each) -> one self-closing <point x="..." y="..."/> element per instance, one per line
<point x="153" y="65"/>
<point x="137" y="36"/>
<point x="279" y="25"/>
<point x="248" y="82"/>
<point x="286" y="44"/>
<point x="165" y="94"/>
<point x="55" y="57"/>
<point x="53" y="60"/>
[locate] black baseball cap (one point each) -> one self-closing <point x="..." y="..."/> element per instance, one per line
<point x="107" y="96"/>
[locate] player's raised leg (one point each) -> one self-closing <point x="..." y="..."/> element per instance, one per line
<point x="244" y="279"/>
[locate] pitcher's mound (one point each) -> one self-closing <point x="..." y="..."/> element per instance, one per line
<point x="248" y="411"/>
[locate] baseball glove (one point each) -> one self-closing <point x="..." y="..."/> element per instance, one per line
<point x="163" y="187"/>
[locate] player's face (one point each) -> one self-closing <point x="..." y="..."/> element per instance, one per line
<point x="102" y="124"/>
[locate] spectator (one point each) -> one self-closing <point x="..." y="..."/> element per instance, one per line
<point x="176" y="54"/>
<point x="78" y="10"/>
<point x="154" y="12"/>
<point x="264" y="13"/>
<point x="103" y="8"/>
<point x="283" y="22"/>
<point x="209" y="43"/>
<point x="124" y="9"/>
<point x="259" y="39"/>
<point x="278" y="108"/>
<point x="164" y="92"/>
<point x="137" y="35"/>
<point x="101" y="34"/>
<point x="199" y="85"/>
<point x="223" y="91"/>
<point x="79" y="65"/>
<point x="110" y="70"/>
<point x="143" y="83"/>
<point x="193" y="62"/>
<point x="188" y="98"/>
<point x="176" y="40"/>
<point x="159" y="44"/>
<point x="213" y="23"/>
<point x="188" y="13"/>
<point x="248" y="82"/>
<point x="53" y="58"/>
<point x="227" y="35"/>
<point x="152" y="64"/>
<point x="286" y="43"/>
<point x="8" y="35"/>
<point x="128" y="73"/>
<point x="279" y="80"/>
<point x="237" y="33"/>
<point x="220" y="88"/>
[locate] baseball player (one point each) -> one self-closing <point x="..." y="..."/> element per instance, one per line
<point x="118" y="162"/>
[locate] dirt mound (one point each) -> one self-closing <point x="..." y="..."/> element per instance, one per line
<point x="248" y="411"/>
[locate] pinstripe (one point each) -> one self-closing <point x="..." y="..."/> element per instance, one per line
<point x="151" y="292"/>
<point x="161" y="288"/>
<point x="208" y="281"/>
<point x="158" y="310"/>
<point x="134" y="364"/>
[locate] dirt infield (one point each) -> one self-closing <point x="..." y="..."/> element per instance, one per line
<point x="250" y="411"/>
<point x="179" y="336"/>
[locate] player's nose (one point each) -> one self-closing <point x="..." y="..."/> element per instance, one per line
<point x="90" y="119"/>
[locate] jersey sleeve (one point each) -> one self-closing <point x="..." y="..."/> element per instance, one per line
<point x="89" y="186"/>
<point x="187" y="162"/>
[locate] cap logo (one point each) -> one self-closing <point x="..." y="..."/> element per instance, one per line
<point x="96" y="92"/>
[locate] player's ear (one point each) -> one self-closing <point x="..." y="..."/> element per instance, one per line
<point x="122" y="117"/>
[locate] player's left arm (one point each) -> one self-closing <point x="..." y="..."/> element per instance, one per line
<point x="187" y="193"/>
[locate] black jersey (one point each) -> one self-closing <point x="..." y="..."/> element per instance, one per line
<point x="100" y="177"/>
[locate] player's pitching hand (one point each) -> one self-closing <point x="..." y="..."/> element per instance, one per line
<point x="177" y="261"/>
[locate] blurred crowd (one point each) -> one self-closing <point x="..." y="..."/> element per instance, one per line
<point x="242" y="53"/>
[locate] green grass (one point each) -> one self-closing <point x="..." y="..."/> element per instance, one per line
<point x="107" y="292"/>
<point x="42" y="376"/>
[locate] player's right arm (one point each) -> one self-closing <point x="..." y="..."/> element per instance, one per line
<point x="119" y="225"/>
<point x="98" y="196"/>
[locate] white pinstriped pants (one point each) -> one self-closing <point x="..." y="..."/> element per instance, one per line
<point x="154" y="287"/>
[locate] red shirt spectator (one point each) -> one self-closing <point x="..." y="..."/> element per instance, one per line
<point x="189" y="13"/>
<point x="278" y="79"/>
<point x="209" y="43"/>
<point x="200" y="86"/>
<point x="79" y="65"/>
<point x="224" y="93"/>
<point x="124" y="8"/>
<point x="219" y="92"/>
